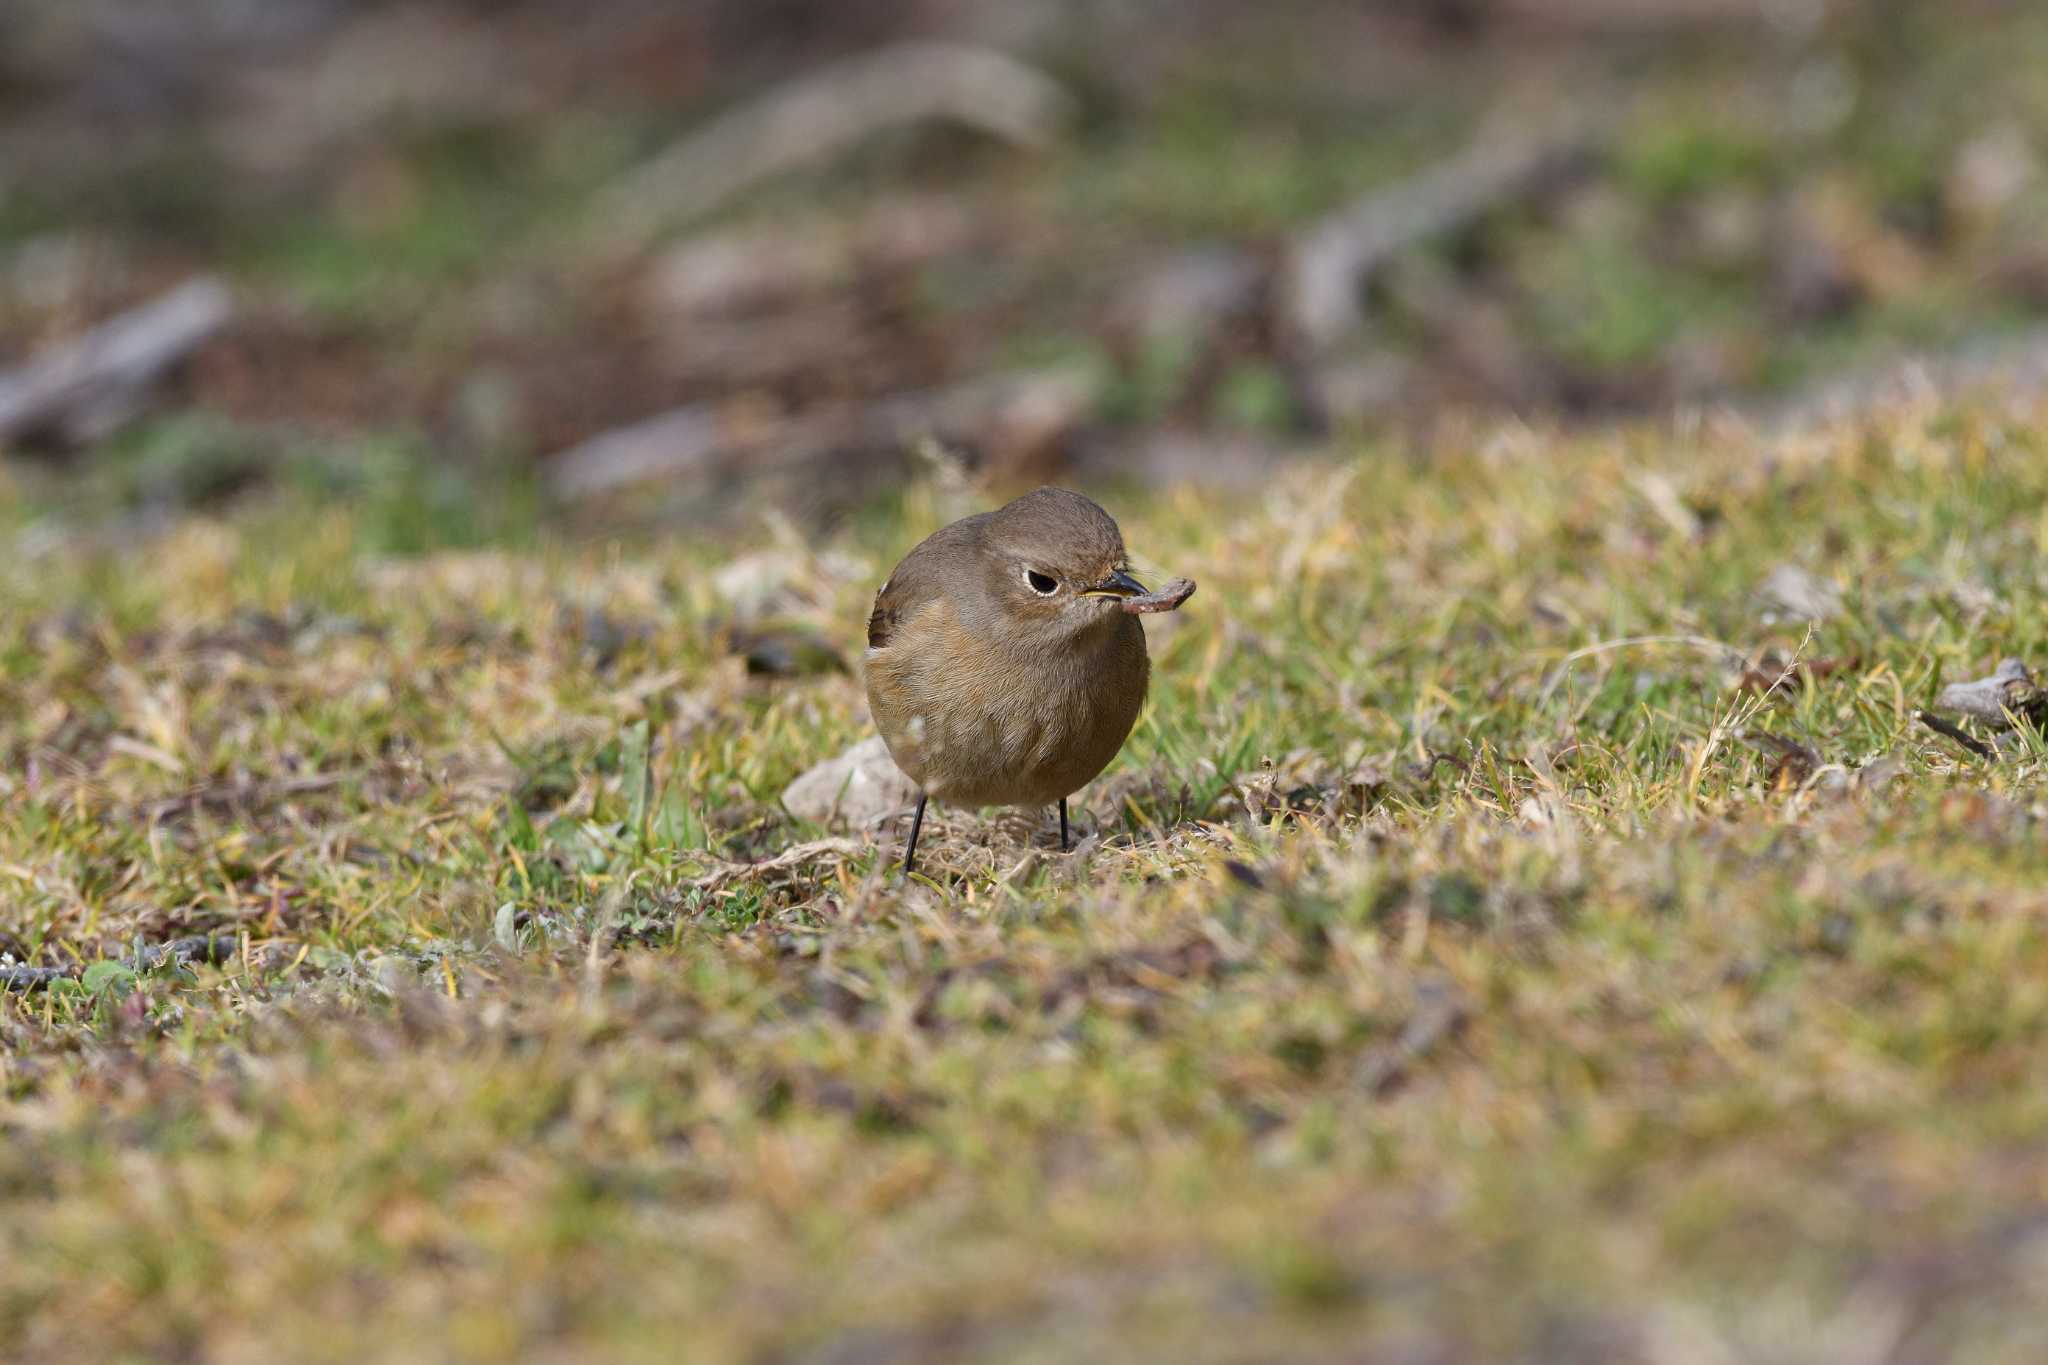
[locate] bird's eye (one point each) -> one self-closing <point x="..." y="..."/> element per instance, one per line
<point x="1043" y="584"/>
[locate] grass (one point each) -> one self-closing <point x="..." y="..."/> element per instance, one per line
<point x="1444" y="977"/>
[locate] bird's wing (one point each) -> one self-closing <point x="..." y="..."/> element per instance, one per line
<point x="888" y="611"/>
<point x="921" y="578"/>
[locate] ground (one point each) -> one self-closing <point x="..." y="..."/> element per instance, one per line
<point x="1528" y="922"/>
<point x="1532" y="921"/>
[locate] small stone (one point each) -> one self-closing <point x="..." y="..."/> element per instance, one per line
<point x="855" y="789"/>
<point x="2012" y="690"/>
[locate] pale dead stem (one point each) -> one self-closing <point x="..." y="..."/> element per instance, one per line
<point x="726" y="873"/>
<point x="1699" y="642"/>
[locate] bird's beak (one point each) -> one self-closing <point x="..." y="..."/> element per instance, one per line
<point x="1118" y="584"/>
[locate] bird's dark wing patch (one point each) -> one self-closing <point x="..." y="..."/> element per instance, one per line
<point x="922" y="577"/>
<point x="882" y="621"/>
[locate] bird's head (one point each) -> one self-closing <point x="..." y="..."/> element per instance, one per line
<point x="1055" y="564"/>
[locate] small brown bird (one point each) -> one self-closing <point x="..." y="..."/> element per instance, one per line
<point x="1005" y="661"/>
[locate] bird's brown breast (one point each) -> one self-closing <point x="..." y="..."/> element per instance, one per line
<point x="986" y="722"/>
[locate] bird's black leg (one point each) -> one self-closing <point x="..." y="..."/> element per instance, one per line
<point x="1063" y="824"/>
<point x="916" y="824"/>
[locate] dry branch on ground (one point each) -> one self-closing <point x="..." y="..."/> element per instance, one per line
<point x="86" y="388"/>
<point x="821" y="112"/>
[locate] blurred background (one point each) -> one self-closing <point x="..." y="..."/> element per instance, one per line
<point x="483" y="266"/>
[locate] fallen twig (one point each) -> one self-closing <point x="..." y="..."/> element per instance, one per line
<point x="685" y="441"/>
<point x="212" y="948"/>
<point x="2010" y="694"/>
<point x="1329" y="261"/>
<point x="83" y="390"/>
<point x="1956" y="733"/>
<point x="822" y="111"/>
